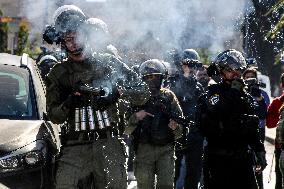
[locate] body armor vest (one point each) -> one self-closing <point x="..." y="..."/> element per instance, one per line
<point x="155" y="130"/>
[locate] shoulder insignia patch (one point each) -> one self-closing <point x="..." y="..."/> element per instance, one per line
<point x="214" y="99"/>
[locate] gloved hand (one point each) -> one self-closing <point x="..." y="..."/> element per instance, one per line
<point x="260" y="161"/>
<point x="75" y="100"/>
<point x="238" y="84"/>
<point x="256" y="92"/>
<point x="103" y="102"/>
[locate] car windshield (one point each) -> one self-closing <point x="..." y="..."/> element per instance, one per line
<point x="16" y="94"/>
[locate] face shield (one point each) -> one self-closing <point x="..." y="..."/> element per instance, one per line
<point x="230" y="60"/>
<point x="97" y="35"/>
<point x="68" y="20"/>
<point x="153" y="72"/>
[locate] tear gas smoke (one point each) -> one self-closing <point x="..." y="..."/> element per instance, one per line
<point x="154" y="26"/>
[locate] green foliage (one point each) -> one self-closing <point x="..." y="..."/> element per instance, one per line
<point x="275" y="7"/>
<point x="33" y="46"/>
<point x="23" y="36"/>
<point x="205" y="55"/>
<point x="280" y="24"/>
<point x="3" y="34"/>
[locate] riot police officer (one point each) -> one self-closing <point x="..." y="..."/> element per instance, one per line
<point x="154" y="127"/>
<point x="228" y="121"/>
<point x="82" y="93"/>
<point x="188" y="90"/>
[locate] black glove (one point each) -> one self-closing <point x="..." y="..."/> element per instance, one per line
<point x="256" y="92"/>
<point x="73" y="101"/>
<point x="238" y="84"/>
<point x="110" y="97"/>
<point x="261" y="160"/>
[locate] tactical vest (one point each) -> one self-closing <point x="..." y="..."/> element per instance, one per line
<point x="227" y="117"/>
<point x="155" y="130"/>
<point x="89" y="117"/>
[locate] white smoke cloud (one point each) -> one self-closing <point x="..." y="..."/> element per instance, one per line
<point x="168" y="23"/>
<point x="38" y="13"/>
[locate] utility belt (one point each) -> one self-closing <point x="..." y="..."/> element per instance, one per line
<point x="230" y="153"/>
<point x="80" y="138"/>
<point x="89" y="126"/>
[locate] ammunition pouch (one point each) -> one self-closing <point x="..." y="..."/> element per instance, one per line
<point x="249" y="125"/>
<point x="73" y="138"/>
<point x="249" y="120"/>
<point x="89" y="126"/>
<point x="106" y="133"/>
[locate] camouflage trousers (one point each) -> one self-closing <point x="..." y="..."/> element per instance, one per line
<point x="109" y="164"/>
<point x="155" y="160"/>
<point x="281" y="166"/>
<point x="75" y="165"/>
<point x="103" y="162"/>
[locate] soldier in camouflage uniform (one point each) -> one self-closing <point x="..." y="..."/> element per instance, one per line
<point x="155" y="128"/>
<point x="94" y="152"/>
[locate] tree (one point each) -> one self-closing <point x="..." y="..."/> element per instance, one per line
<point x="256" y="29"/>
<point x="280" y="24"/>
<point x="23" y="35"/>
<point x="3" y="34"/>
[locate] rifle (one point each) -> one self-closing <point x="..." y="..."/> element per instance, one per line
<point x="86" y="89"/>
<point x="181" y="120"/>
<point x="84" y="116"/>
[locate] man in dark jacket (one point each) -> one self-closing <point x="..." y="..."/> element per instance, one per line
<point x="188" y="90"/>
<point x="227" y="119"/>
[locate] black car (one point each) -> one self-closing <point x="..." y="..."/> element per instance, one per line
<point x="29" y="143"/>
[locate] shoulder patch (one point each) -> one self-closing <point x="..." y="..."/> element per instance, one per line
<point x="214" y="99"/>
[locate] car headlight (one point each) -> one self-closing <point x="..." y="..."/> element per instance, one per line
<point x="33" y="158"/>
<point x="10" y="163"/>
<point x="29" y="156"/>
<point x="21" y="160"/>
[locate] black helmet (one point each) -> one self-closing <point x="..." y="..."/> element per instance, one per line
<point x="232" y="59"/>
<point x="152" y="67"/>
<point x="68" y="18"/>
<point x="191" y="58"/>
<point x="190" y="54"/>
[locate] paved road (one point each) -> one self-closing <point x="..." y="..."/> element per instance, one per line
<point x="268" y="174"/>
